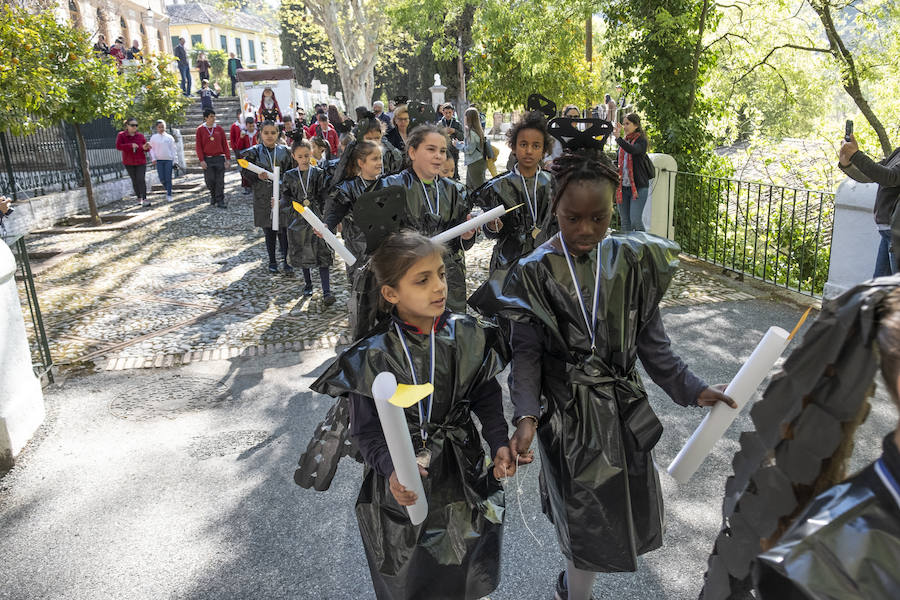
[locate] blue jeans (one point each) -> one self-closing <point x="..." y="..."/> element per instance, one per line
<point x="185" y="79"/>
<point x="884" y="261"/>
<point x="164" y="170"/>
<point x="631" y="210"/>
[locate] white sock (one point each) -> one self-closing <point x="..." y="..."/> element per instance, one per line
<point x="579" y="582"/>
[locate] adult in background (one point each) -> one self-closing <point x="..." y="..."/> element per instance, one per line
<point x="203" y="66"/>
<point x="400" y="131"/>
<point x="635" y="172"/>
<point x="214" y="156"/>
<point x="100" y="47"/>
<point x="234" y="64"/>
<point x="134" y="53"/>
<point x="132" y="144"/>
<point x="118" y="52"/>
<point x="324" y="130"/>
<point x="184" y="67"/>
<point x="291" y="133"/>
<point x="474" y="149"/>
<point x="378" y="109"/>
<point x="610" y="109"/>
<point x="454" y="130"/>
<point x="886" y="174"/>
<point x="163" y="153"/>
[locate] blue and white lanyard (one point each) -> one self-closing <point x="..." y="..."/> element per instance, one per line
<point x="532" y="204"/>
<point x="888" y="480"/>
<point x="424" y="417"/>
<point x="591" y="322"/>
<point x="437" y="193"/>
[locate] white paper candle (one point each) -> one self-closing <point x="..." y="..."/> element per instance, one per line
<point x="396" y="433"/>
<point x="246" y="164"/>
<point x="329" y="237"/>
<point x="276" y="204"/>
<point x="720" y="416"/>
<point x="455" y="232"/>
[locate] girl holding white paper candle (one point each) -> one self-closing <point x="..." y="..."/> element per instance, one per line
<point x="584" y="308"/>
<point x="455" y="552"/>
<point x="306" y="185"/>
<point x="267" y="155"/>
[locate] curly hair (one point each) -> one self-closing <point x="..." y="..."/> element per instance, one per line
<point x="585" y="164"/>
<point x="533" y="120"/>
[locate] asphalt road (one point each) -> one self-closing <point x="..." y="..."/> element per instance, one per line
<point x="178" y="484"/>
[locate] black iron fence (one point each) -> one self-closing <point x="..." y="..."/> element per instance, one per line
<point x="777" y="234"/>
<point x="48" y="160"/>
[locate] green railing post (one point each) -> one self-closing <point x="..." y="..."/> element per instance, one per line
<point x="35" y="309"/>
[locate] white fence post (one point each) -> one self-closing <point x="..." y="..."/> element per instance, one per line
<point x="21" y="397"/>
<point x="854" y="242"/>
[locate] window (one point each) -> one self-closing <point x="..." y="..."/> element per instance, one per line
<point x="159" y="40"/>
<point x="145" y="39"/>
<point x="196" y="40"/>
<point x="252" y="49"/>
<point x="174" y="39"/>
<point x="223" y="42"/>
<point x="74" y="13"/>
<point x="237" y="48"/>
<point x="124" y="27"/>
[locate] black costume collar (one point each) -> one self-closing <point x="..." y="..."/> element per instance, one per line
<point x="410" y="328"/>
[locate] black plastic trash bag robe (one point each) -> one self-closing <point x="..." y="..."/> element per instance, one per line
<point x="598" y="483"/>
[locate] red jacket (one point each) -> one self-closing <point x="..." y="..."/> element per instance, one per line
<point x="234" y="134"/>
<point x="211" y="147"/>
<point x="244" y="141"/>
<point x="331" y="137"/>
<point x="130" y="156"/>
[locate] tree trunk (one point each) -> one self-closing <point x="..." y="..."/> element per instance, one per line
<point x="86" y="173"/>
<point x="698" y="52"/>
<point x="461" y="100"/>
<point x="849" y="75"/>
<point x="589" y="55"/>
<point x="353" y="34"/>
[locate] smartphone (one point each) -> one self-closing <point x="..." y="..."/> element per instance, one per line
<point x="848" y="130"/>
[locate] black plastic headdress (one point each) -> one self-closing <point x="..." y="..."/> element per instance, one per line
<point x="378" y="214"/>
<point x="344" y="127"/>
<point x="822" y="385"/>
<point x="398" y="100"/>
<point x="419" y="113"/>
<point x="541" y="104"/>
<point x="594" y="136"/>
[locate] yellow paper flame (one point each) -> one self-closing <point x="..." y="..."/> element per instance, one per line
<point x="407" y="395"/>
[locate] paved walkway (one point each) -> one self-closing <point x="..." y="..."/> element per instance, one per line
<point x="177" y="482"/>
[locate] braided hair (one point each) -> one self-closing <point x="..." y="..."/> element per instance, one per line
<point x="584" y="164"/>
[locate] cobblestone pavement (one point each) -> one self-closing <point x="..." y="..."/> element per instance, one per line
<point x="189" y="283"/>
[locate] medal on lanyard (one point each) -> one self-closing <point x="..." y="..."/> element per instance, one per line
<point x="532" y="205"/>
<point x="423" y="456"/>
<point x="436" y="208"/>
<point x="590" y="322"/>
<point x="211" y="131"/>
<point x="305" y="186"/>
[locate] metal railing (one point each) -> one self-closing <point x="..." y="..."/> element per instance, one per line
<point x="48" y="160"/>
<point x="42" y="362"/>
<point x="777" y="234"/>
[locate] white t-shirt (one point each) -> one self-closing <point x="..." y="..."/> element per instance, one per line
<point x="162" y="147"/>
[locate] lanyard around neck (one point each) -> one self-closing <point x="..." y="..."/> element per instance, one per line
<point x="532" y="204"/>
<point x="591" y="322"/>
<point x="434" y="209"/>
<point x="271" y="154"/>
<point x="305" y="186"/>
<point x="424" y="416"/>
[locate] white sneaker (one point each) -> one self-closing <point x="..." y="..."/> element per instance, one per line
<point x="168" y="198"/>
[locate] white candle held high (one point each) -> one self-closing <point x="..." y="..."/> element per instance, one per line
<point x="330" y="239"/>
<point x="720" y="416"/>
<point x="396" y="434"/>
<point x="474" y="223"/>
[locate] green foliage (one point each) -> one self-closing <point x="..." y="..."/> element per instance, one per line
<point x="40" y="61"/>
<point x="522" y="47"/>
<point x="654" y="46"/>
<point x="154" y="92"/>
<point x="305" y="47"/>
<point x="406" y="67"/>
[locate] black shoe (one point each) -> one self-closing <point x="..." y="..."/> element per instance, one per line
<point x="288" y="269"/>
<point x="562" y="590"/>
<point x="307" y="290"/>
<point x="273" y="267"/>
<point x="329" y="299"/>
<point x="222" y="205"/>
